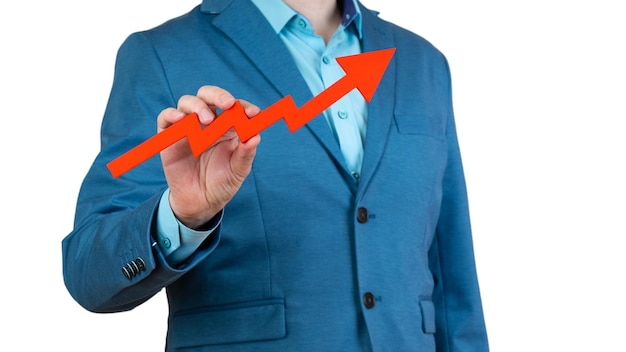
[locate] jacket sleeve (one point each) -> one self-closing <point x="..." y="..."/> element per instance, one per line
<point x="459" y="315"/>
<point x="110" y="259"/>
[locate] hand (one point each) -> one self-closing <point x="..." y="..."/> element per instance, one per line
<point x="201" y="187"/>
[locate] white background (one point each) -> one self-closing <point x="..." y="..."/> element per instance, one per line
<point x="539" y="92"/>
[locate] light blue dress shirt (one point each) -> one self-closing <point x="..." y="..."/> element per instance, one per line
<point x="317" y="63"/>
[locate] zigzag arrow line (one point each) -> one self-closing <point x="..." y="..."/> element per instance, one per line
<point x="363" y="72"/>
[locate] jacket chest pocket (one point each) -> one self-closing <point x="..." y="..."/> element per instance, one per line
<point x="422" y="124"/>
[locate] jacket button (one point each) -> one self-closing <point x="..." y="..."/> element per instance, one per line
<point x="132" y="268"/>
<point x="140" y="263"/>
<point x="362" y="215"/>
<point x="368" y="300"/>
<point x="126" y="273"/>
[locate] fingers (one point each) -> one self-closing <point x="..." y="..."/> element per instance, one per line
<point x="250" y="109"/>
<point x="168" y="117"/>
<point x="216" y="97"/>
<point x="243" y="156"/>
<point x="190" y="103"/>
<point x="208" y="100"/>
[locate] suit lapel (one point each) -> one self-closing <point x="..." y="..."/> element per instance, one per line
<point x="268" y="53"/>
<point x="380" y="109"/>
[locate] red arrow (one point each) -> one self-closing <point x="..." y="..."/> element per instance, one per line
<point x="363" y="72"/>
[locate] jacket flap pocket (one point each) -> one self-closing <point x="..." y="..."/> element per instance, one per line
<point x="242" y="322"/>
<point x="428" y="316"/>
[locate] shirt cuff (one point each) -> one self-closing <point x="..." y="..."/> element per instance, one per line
<point x="177" y="241"/>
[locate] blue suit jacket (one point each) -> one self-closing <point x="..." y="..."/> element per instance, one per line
<point x="292" y="267"/>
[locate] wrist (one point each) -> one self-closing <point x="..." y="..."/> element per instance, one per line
<point x="195" y="219"/>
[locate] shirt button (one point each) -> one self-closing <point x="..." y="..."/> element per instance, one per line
<point x="368" y="300"/>
<point x="325" y="60"/>
<point x="356" y="175"/>
<point x="301" y="23"/>
<point x="342" y="114"/>
<point x="362" y="215"/>
<point x="166" y="242"/>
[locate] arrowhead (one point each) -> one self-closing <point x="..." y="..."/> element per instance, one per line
<point x="366" y="70"/>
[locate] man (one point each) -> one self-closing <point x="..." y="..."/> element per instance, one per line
<point x="350" y="234"/>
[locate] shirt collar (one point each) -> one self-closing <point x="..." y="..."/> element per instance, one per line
<point x="278" y="13"/>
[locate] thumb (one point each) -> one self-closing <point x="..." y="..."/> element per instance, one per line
<point x="243" y="156"/>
